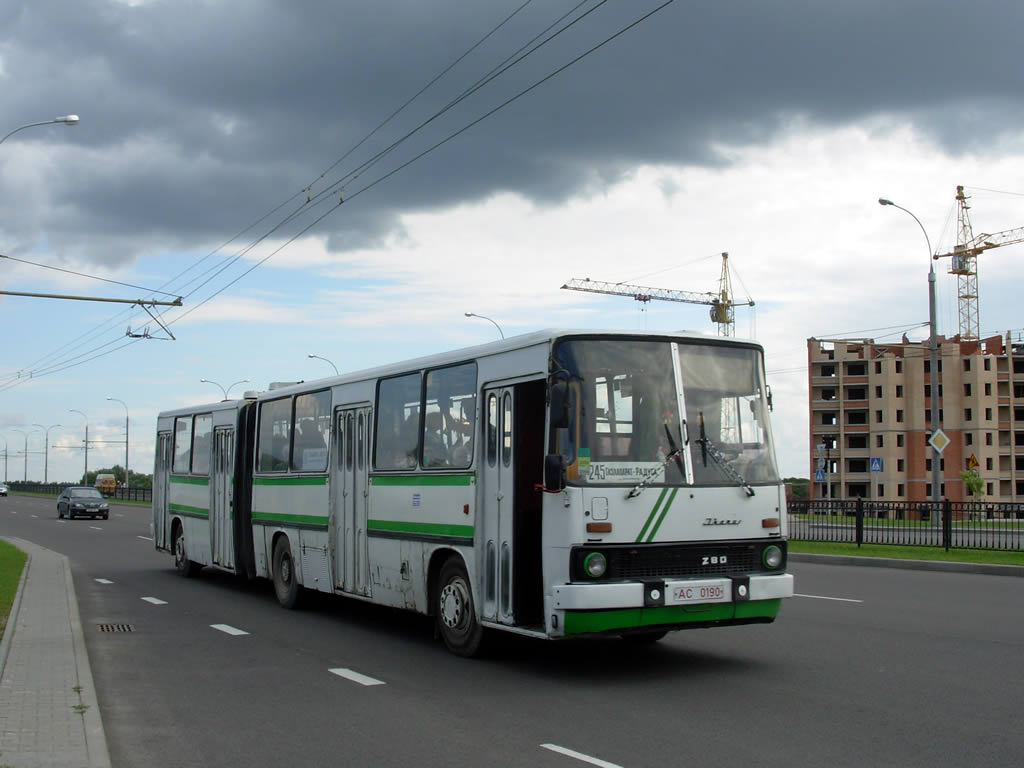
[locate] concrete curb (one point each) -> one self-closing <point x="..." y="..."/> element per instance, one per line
<point x="985" y="569"/>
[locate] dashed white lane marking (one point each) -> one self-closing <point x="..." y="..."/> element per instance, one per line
<point x="228" y="629"/>
<point x="155" y="600"/>
<point x="822" y="597"/>
<point x="145" y="538"/>
<point x="36" y="516"/>
<point x="355" y="677"/>
<point x="103" y="581"/>
<point x="95" y="528"/>
<point x="580" y="756"/>
<point x="118" y="515"/>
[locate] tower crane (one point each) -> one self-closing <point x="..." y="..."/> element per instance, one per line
<point x="723" y="305"/>
<point x="964" y="262"/>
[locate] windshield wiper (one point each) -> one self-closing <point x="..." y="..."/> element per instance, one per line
<point x="675" y="452"/>
<point x="708" y="448"/>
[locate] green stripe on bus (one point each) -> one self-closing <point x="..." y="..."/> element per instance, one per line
<point x="424" y="479"/>
<point x="664" y="511"/>
<point x="274" y="517"/>
<point x="184" y="509"/>
<point x="580" y="622"/>
<point x="190" y="480"/>
<point x="654" y="512"/>
<point x="432" y="529"/>
<point x="311" y="480"/>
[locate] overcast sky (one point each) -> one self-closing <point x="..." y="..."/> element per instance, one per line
<point x="218" y="140"/>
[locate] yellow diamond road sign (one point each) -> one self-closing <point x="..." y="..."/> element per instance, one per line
<point x="939" y="440"/>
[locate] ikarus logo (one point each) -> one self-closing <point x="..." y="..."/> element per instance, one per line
<point x="720" y="521"/>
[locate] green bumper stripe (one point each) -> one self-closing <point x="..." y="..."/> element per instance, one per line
<point x="184" y="509"/>
<point x="424" y="479"/>
<point x="190" y="480"/>
<point x="304" y="480"/>
<point x="273" y="517"/>
<point x="578" y="622"/>
<point x="432" y="529"/>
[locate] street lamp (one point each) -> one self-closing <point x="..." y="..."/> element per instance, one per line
<point x="66" y="119"/>
<point x="46" y="451"/>
<point x="317" y="357"/>
<point x="482" y="317"/>
<point x="85" y="479"/>
<point x="5" y="458"/>
<point x="933" y="377"/>
<point x="122" y="402"/>
<point x="26" y="434"/>
<point x="225" y="391"/>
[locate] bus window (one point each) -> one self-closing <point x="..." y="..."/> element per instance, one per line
<point x="275" y="426"/>
<point x="312" y="431"/>
<point x="349" y="440"/>
<point x="201" y="439"/>
<point x="182" y="444"/>
<point x="398" y="422"/>
<point x="506" y="430"/>
<point x="448" y="425"/>
<point x="492" y="429"/>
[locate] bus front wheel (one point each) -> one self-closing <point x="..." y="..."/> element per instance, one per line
<point x="456" y="614"/>
<point x="286" y="585"/>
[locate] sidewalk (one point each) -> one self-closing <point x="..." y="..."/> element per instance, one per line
<point x="49" y="715"/>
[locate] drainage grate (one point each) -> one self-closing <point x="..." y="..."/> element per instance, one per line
<point x="115" y="627"/>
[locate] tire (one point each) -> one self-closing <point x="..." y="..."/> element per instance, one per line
<point x="60" y="515"/>
<point x="286" y="583"/>
<point x="187" y="568"/>
<point x="456" y="614"/>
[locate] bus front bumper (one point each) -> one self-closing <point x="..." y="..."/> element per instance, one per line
<point x="740" y="599"/>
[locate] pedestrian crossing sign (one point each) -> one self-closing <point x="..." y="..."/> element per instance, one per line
<point x="876" y="465"/>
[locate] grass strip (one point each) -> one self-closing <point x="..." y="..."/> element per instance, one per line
<point x="12" y="560"/>
<point x="988" y="556"/>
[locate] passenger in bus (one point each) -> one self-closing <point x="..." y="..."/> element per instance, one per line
<point x="310" y="448"/>
<point x="435" y="448"/>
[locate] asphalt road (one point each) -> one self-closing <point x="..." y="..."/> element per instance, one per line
<point x="865" y="666"/>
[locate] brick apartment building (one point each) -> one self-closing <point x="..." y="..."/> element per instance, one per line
<point x="869" y="410"/>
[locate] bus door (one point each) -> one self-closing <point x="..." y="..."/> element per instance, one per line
<point x="161" y="490"/>
<point x="350" y="496"/>
<point x="498" y="472"/>
<point x="222" y="508"/>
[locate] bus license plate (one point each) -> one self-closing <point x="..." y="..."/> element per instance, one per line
<point x="682" y="592"/>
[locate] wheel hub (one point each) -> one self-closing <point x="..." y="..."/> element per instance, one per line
<point x="453" y="603"/>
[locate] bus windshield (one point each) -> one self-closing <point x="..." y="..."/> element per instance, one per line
<point x="624" y="405"/>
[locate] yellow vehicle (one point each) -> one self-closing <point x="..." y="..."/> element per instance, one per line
<point x="106" y="484"/>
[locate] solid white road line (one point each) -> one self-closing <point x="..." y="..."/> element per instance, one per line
<point x="155" y="600"/>
<point x="103" y="581"/>
<point x="145" y="538"/>
<point x="228" y="629"/>
<point x="580" y="756"/>
<point x="355" y="677"/>
<point x="822" y="597"/>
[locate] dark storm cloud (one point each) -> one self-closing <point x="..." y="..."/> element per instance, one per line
<point x="199" y="117"/>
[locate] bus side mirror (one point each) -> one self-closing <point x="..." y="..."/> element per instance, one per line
<point x="559" y="404"/>
<point x="554" y="472"/>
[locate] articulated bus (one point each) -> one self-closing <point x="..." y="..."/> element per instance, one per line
<point x="556" y="484"/>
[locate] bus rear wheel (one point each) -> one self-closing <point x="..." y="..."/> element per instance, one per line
<point x="286" y="585"/>
<point x="187" y="568"/>
<point x="456" y="614"/>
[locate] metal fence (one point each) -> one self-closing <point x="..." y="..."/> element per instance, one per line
<point x="54" y="489"/>
<point x="947" y="524"/>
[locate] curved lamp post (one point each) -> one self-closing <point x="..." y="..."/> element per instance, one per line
<point x="222" y="389"/>
<point x="26" y="434"/>
<point x="85" y="479"/>
<point x="483" y="317"/>
<point x="122" y="402"/>
<point x="66" y="119"/>
<point x="317" y="357"/>
<point x="46" y="451"/>
<point x="933" y="345"/>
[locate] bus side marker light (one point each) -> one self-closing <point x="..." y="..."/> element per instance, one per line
<point x="770" y="522"/>
<point x="599" y="527"/>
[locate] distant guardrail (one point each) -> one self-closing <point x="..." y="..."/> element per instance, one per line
<point x="947" y="524"/>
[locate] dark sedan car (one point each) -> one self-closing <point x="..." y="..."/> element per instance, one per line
<point x="82" y="502"/>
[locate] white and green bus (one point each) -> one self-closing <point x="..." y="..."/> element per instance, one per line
<point x="556" y="484"/>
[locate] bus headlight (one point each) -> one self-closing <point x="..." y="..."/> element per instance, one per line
<point x="594" y="565"/>
<point x="771" y="557"/>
